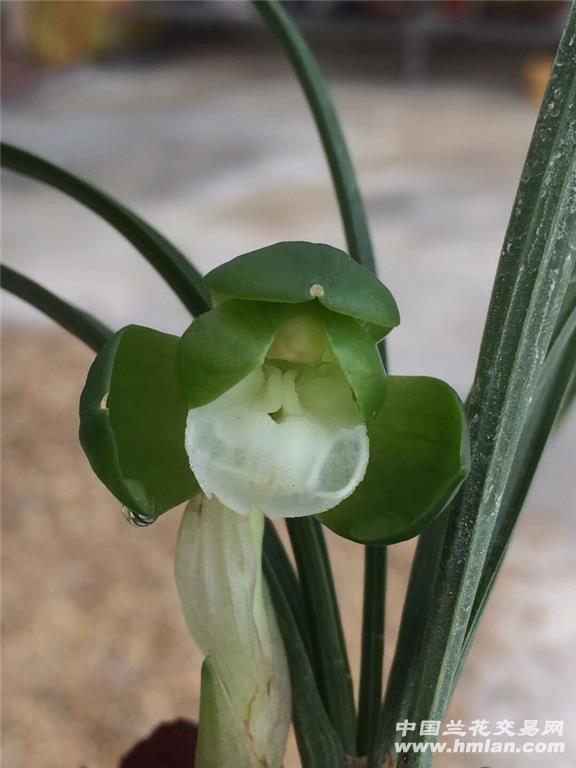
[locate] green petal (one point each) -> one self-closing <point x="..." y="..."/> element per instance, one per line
<point x="419" y="456"/>
<point x="132" y="421"/>
<point x="358" y="357"/>
<point x="286" y="272"/>
<point x="223" y="346"/>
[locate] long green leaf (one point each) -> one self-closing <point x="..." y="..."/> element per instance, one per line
<point x="167" y="260"/>
<point x="318" y="743"/>
<point x="335" y="678"/>
<point x="555" y="381"/>
<point x="568" y="309"/>
<point x="77" y="322"/>
<point x="372" y="651"/>
<point x="280" y="562"/>
<point x="568" y="306"/>
<point x="531" y="284"/>
<point x="569" y="397"/>
<point x="333" y="142"/>
<point x="402" y="683"/>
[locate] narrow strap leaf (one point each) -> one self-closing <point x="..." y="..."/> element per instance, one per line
<point x="548" y="402"/>
<point x="333" y="668"/>
<point x="568" y="309"/>
<point x="372" y="655"/>
<point x="318" y="743"/>
<point x="569" y="397"/>
<point x="333" y="142"/>
<point x="286" y="576"/>
<point x="402" y="682"/>
<point x="167" y="260"/>
<point x="79" y="323"/>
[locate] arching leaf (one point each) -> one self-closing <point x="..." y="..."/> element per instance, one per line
<point x="165" y="258"/>
<point x="78" y="322"/>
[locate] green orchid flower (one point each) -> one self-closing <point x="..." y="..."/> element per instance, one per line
<point x="276" y="401"/>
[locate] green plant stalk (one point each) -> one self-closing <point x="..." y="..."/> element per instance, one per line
<point x="333" y="669"/>
<point x="74" y="320"/>
<point x="167" y="260"/>
<point x="359" y="243"/>
<point x="531" y="284"/>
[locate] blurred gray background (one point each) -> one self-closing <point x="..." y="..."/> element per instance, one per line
<point x="188" y="113"/>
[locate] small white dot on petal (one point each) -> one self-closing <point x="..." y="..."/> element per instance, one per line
<point x="316" y="291"/>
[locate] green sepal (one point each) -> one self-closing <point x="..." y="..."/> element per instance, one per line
<point x="223" y="346"/>
<point x="286" y="272"/>
<point x="419" y="456"/>
<point x="132" y="421"/>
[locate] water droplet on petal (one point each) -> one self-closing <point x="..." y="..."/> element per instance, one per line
<point x="136" y="519"/>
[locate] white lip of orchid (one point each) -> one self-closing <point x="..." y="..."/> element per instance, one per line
<point x="286" y="441"/>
